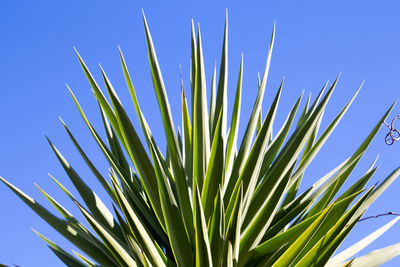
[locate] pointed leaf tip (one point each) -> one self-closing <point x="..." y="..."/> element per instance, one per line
<point x="62" y="121"/>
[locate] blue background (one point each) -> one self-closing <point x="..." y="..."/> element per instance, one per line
<point x="315" y="41"/>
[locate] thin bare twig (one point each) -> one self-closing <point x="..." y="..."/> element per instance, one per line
<point x="380" y="215"/>
<point x="394" y="134"/>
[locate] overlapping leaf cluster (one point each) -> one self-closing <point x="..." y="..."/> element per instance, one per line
<point x="210" y="200"/>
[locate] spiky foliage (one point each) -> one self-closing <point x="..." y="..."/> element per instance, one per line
<point x="211" y="200"/>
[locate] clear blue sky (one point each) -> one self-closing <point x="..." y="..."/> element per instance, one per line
<point x="315" y="41"/>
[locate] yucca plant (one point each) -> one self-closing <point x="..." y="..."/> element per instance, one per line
<point x="210" y="200"/>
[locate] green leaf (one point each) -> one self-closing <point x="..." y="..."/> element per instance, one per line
<point x="136" y="150"/>
<point x="260" y="120"/>
<point x="98" y="94"/>
<point x="325" y="241"/>
<point x="293" y="190"/>
<point x="201" y="139"/>
<point x="96" y="173"/>
<point x="138" y="202"/>
<point x="202" y="247"/>
<point x="80" y="226"/>
<point x="110" y="157"/>
<point x="256" y="155"/>
<point x="334" y="188"/>
<point x="161" y="94"/>
<point x="291" y="234"/>
<point x="377" y="257"/>
<point x="277" y="142"/>
<point x="193" y="65"/>
<point x="251" y="126"/>
<point x="187" y="139"/>
<point x="112" y="242"/>
<point x="215" y="171"/>
<point x="139" y="231"/>
<point x="317" y="100"/>
<point x="234" y="128"/>
<point x="64" y="256"/>
<point x="64" y="212"/>
<point x="300" y="205"/>
<point x="145" y="129"/>
<point x="85" y="260"/>
<point x="360" y="245"/>
<point x="303" y="114"/>
<point x="93" y="202"/>
<point x="232" y="236"/>
<point x="292" y="252"/>
<point x="213" y="99"/>
<point x="253" y="234"/>
<point x="331" y="247"/>
<point x="177" y="233"/>
<point x="379" y="190"/>
<point x="349" y="263"/>
<point x="169" y="129"/>
<point x="252" y="167"/>
<point x="360" y="183"/>
<point x="287" y="156"/>
<point x="221" y="104"/>
<point x="65" y="228"/>
<point x="216" y="229"/>
<point x="229" y="258"/>
<point x="312" y="151"/>
<point x="112" y="139"/>
<point x="130" y="240"/>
